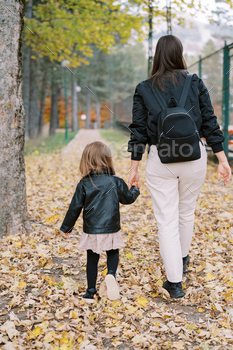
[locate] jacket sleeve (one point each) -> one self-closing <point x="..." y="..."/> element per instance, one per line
<point x="126" y="195"/>
<point x="74" y="210"/>
<point x="138" y="138"/>
<point x="210" y="127"/>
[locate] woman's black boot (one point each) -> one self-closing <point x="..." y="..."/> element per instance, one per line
<point x="186" y="261"/>
<point x="174" y="289"/>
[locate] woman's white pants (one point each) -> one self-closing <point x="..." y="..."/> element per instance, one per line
<point x="174" y="188"/>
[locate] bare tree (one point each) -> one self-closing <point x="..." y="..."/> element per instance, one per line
<point x="13" y="207"/>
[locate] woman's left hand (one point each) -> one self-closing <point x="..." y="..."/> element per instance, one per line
<point x="133" y="176"/>
<point x="225" y="171"/>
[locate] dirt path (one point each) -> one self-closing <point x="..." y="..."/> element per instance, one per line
<point x="83" y="137"/>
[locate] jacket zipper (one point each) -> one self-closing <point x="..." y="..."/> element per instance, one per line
<point x="192" y="121"/>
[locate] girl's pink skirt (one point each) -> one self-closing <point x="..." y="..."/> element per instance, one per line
<point x="102" y="241"/>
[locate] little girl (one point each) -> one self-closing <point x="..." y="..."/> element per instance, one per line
<point x="99" y="193"/>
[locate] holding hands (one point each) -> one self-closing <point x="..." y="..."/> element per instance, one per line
<point x="134" y="177"/>
<point x="65" y="235"/>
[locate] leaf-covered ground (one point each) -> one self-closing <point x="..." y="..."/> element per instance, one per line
<point x="43" y="275"/>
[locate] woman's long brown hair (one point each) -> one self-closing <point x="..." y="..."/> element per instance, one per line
<point x="96" y="157"/>
<point x="168" y="60"/>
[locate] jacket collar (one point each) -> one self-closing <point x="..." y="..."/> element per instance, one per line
<point x="105" y="171"/>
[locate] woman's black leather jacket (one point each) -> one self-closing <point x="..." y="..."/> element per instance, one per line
<point x="99" y="195"/>
<point x="146" y="110"/>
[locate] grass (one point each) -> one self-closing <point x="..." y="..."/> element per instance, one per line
<point x="114" y="136"/>
<point x="48" y="144"/>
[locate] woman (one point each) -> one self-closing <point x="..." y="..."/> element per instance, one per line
<point x="174" y="187"/>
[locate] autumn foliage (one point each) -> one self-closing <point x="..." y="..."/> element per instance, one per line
<point x="104" y="113"/>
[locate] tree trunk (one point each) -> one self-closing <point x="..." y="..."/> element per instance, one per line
<point x="42" y="102"/>
<point x="13" y="207"/>
<point x="58" y="96"/>
<point x="26" y="73"/>
<point x="74" y="105"/>
<point x="88" y="120"/>
<point x="54" y="108"/>
<point x="34" y="100"/>
<point x="98" y="115"/>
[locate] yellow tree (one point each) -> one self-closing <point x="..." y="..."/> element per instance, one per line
<point x="65" y="29"/>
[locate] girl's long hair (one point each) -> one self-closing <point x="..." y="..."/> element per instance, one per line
<point x="168" y="61"/>
<point x="96" y="157"/>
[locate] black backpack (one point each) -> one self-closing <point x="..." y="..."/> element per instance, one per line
<point x="178" y="136"/>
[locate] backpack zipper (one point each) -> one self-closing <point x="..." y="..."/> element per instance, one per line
<point x="192" y="121"/>
<point x="177" y="113"/>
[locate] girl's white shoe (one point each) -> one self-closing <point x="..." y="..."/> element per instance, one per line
<point x="112" y="287"/>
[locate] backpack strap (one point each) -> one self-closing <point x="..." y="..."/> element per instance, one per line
<point x="185" y="90"/>
<point x="159" y="97"/>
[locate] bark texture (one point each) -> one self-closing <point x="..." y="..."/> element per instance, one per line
<point x="13" y="208"/>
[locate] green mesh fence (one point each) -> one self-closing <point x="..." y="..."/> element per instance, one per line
<point x="211" y="72"/>
<point x="194" y="69"/>
<point x="231" y="95"/>
<point x="123" y="111"/>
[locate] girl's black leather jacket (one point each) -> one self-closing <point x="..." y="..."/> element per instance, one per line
<point x="146" y="110"/>
<point x="99" y="195"/>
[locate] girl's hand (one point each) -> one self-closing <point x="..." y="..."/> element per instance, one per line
<point x="224" y="170"/>
<point x="133" y="177"/>
<point x="66" y="235"/>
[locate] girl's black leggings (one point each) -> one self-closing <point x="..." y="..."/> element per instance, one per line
<point x="92" y="265"/>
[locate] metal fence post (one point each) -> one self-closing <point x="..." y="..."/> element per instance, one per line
<point x="150" y="38"/>
<point x="226" y="93"/>
<point x="200" y="66"/>
<point x="66" y="116"/>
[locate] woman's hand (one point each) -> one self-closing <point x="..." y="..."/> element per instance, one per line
<point x="223" y="167"/>
<point x="134" y="177"/>
<point x="225" y="171"/>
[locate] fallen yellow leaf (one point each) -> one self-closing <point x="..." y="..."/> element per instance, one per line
<point x="64" y="347"/>
<point x="159" y="283"/>
<point x="142" y="301"/>
<point x="49" y="337"/>
<point x="116" y="317"/>
<point x="201" y="310"/>
<point x="209" y="277"/>
<point x="74" y="314"/>
<point x="104" y="273"/>
<point x="22" y="284"/>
